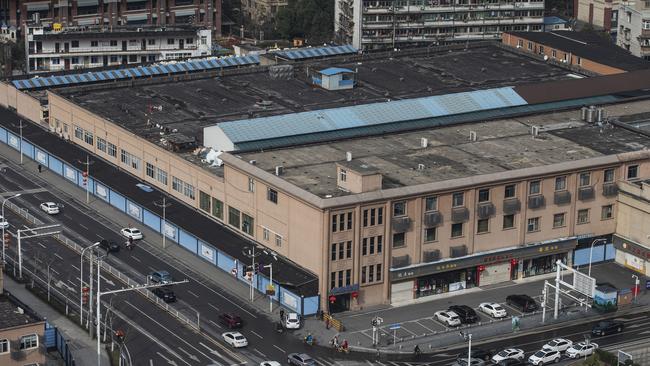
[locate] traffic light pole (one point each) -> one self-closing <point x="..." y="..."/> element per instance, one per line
<point x="81" y="283"/>
<point x="35" y="235"/>
<point x="5" y="240"/>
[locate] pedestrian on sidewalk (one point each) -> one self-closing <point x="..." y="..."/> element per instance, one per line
<point x="281" y="314"/>
<point x="327" y="323"/>
<point x="40" y="168"/>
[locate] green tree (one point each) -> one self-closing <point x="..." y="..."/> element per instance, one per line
<point x="310" y="19"/>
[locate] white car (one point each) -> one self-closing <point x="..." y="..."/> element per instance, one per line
<point x="447" y="317"/>
<point x="3" y="223"/>
<point x="292" y="321"/>
<point x="131" y="232"/>
<point x="509" y="354"/>
<point x="493" y="309"/>
<point x="235" y="339"/>
<point x="558" y="344"/>
<point x="270" y="363"/>
<point x="542" y="357"/>
<point x="50" y="207"/>
<point x="582" y="349"/>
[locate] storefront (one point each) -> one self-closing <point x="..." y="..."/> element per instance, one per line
<point x="428" y="279"/>
<point x="340" y="298"/>
<point x="632" y="255"/>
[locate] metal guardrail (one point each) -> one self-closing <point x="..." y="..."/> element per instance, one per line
<point x="191" y="323"/>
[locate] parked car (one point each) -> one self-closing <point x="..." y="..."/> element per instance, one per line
<point x="235" y="339"/>
<point x="162" y="277"/>
<point x="472" y="362"/>
<point x="511" y="362"/>
<point x="582" y="349"/>
<point x="509" y="354"/>
<point x="542" y="357"/>
<point x="607" y="327"/>
<point x="476" y="353"/>
<point x="292" y="321"/>
<point x="300" y="359"/>
<point x="3" y="223"/>
<point x="166" y="294"/>
<point x="231" y="321"/>
<point x="493" y="309"/>
<point x="50" y="207"/>
<point x="447" y="317"/>
<point x="132" y="233"/>
<point x="270" y="363"/>
<point x="109" y="246"/>
<point x="558" y="344"/>
<point x="466" y="314"/>
<point x="524" y="303"/>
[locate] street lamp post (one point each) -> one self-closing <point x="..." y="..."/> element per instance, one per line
<point x="591" y="250"/>
<point x="87" y="163"/>
<point x="270" y="267"/>
<point x="468" y="338"/>
<point x="81" y="282"/>
<point x="3" y="226"/>
<point x="636" y="287"/>
<point x="163" y="225"/>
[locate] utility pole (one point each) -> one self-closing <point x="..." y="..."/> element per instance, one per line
<point x="250" y="252"/>
<point x="556" y="306"/>
<point x="86" y="175"/>
<point x="163" y="226"/>
<point x="20" y="126"/>
<point x="3" y="226"/>
<point x="81" y="282"/>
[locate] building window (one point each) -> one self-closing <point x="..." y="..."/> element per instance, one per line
<point x="508" y="221"/>
<point x="457" y="230"/>
<point x="431" y="204"/>
<point x="371" y="247"/>
<point x="534" y="187"/>
<point x="343" y="175"/>
<point x="78" y="132"/>
<point x="348" y="249"/>
<point x="217" y="208"/>
<point x="334" y="225"/>
<point x="341" y="251"/>
<point x="457" y="199"/>
<point x="530" y="45"/>
<point x="94" y="59"/>
<point x="278" y="240"/>
<point x="113" y="58"/>
<point x="74" y="44"/>
<point x="266" y="234"/>
<point x="560" y="183"/>
<point x="585" y="179"/>
<point x="130" y="159"/>
<point x="349" y="221"/>
<point x="4" y="346"/>
<point x="558" y="220"/>
<point x="365" y="216"/>
<point x="204" y="201"/>
<point x="632" y="172"/>
<point x="533" y="224"/>
<point x="151" y="42"/>
<point x="348" y="276"/>
<point x="170" y="41"/>
<point x="101" y="144"/>
<point x="378" y="277"/>
<point x="234" y="217"/>
<point x="380" y="216"/>
<point x="484" y="195"/>
<point x="608" y="176"/>
<point x="161" y="176"/>
<point x="55" y="61"/>
<point x="28" y="342"/>
<point x="554" y="53"/>
<point x="364" y="246"/>
<point x="380" y="244"/>
<point x="188" y="190"/>
<point x="272" y="195"/>
<point x="363" y="274"/>
<point x="150" y="170"/>
<point x="88" y="137"/>
<point x="112" y="150"/>
<point x="333" y="280"/>
<point x="177" y="184"/>
<point x="94" y="44"/>
<point x="74" y="60"/>
<point x="399" y="208"/>
<point x="510" y="191"/>
<point x="399" y="240"/>
<point x="340" y="278"/>
<point x="248" y="225"/>
<point x="483" y="226"/>
<point x="579" y="60"/>
<point x="251" y="185"/>
<point x="371" y="273"/>
<point x="607" y="212"/>
<point x="429" y="234"/>
<point x="583" y="216"/>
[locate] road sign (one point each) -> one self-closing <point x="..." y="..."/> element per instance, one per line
<point x="395" y="326"/>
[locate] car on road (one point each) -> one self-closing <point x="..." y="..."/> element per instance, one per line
<point x="493" y="309"/>
<point x="558" y="344"/>
<point x="447" y="317"/>
<point x="472" y="362"/>
<point x="510" y="362"/>
<point x="466" y="314"/>
<point x="300" y="359"/>
<point x="50" y="207"/>
<point x="131" y="233"/>
<point x="3" y="223"/>
<point x="476" y="353"/>
<point x="162" y="277"/>
<point x="270" y="363"/>
<point x="524" y="303"/>
<point x="607" y="327"/>
<point x="582" y="349"/>
<point x="167" y="295"/>
<point x="542" y="357"/>
<point x="292" y="321"/>
<point x="509" y="354"/>
<point x="109" y="246"/>
<point x="230" y="320"/>
<point x="235" y="339"/>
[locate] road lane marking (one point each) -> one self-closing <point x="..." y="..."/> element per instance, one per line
<point x="259" y="353"/>
<point x="43" y="245"/>
<point x="214" y="307"/>
<point x="219" y="326"/>
<point x="192" y="293"/>
<point x="55" y="271"/>
<point x="58" y="256"/>
<point x="99" y="236"/>
<point x="75" y="267"/>
<point x="74" y="284"/>
<point x="83" y="226"/>
<point x="132" y="257"/>
<point x="252" y="331"/>
<point x="281" y="350"/>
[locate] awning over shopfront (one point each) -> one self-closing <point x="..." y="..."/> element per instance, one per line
<point x="529" y="251"/>
<point x="631" y="247"/>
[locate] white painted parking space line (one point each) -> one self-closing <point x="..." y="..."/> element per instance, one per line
<point x="99" y="236"/>
<point x="214" y="307"/>
<point x="281" y="350"/>
<point x="134" y="258"/>
<point x="259" y="353"/>
<point x="75" y="267"/>
<point x="58" y="256"/>
<point x="213" y="323"/>
<point x="193" y="294"/>
<point x="83" y="226"/>
<point x="252" y="331"/>
<point x="55" y="271"/>
<point x="72" y="283"/>
<point x="427" y="328"/>
<point x="42" y="245"/>
<point x="513" y="309"/>
<point x="408" y="330"/>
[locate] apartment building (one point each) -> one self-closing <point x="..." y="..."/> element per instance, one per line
<point x="601" y="14"/>
<point x="204" y="13"/>
<point x="261" y="11"/>
<point x="369" y="24"/>
<point x="48" y="50"/>
<point x="631" y="240"/>
<point x="428" y="193"/>
<point x="634" y="28"/>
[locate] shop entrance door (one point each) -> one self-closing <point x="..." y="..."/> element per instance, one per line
<point x="341" y="304"/>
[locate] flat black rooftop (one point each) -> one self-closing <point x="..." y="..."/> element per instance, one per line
<point x="589" y="46"/>
<point x="189" y="106"/>
<point x="11" y="316"/>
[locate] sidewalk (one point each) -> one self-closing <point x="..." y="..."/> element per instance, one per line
<point x="82" y="346"/>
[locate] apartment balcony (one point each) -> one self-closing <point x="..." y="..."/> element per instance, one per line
<point x="433" y="219"/>
<point x="586" y="193"/>
<point x="511" y="206"/>
<point x="645" y="33"/>
<point x="562" y="197"/>
<point x="536" y="201"/>
<point x="459" y="214"/>
<point x="486" y="210"/>
<point x="89" y="51"/>
<point x="401" y="224"/>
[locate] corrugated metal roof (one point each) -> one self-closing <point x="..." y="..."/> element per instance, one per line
<point x="313" y="52"/>
<point x="334" y="70"/>
<point x="328" y="120"/>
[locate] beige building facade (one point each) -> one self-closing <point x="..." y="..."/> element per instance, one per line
<point x="632" y="238"/>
